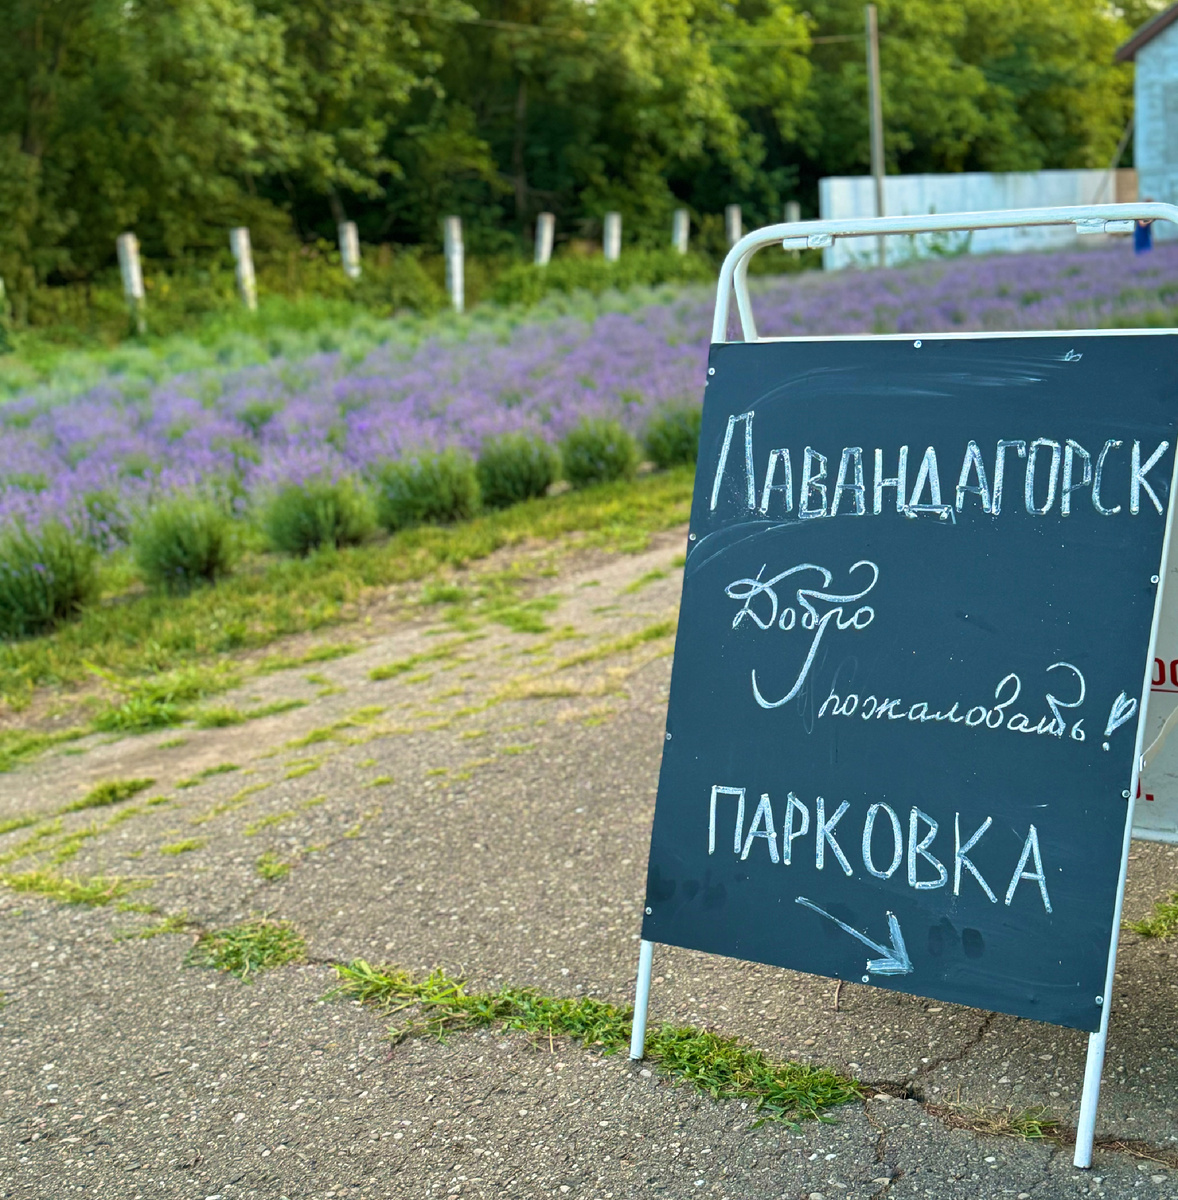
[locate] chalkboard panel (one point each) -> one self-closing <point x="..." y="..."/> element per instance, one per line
<point x="903" y="714"/>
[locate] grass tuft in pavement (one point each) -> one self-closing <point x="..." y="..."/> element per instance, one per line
<point x="270" y="867"/>
<point x="723" y="1067"/>
<point x="244" y="950"/>
<point x="111" y="791"/>
<point x="1161" y="923"/>
<point x="186" y="846"/>
<point x="97" y="890"/>
<point x="1027" y="1124"/>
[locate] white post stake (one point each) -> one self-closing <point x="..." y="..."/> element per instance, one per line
<point x="127" y="247"/>
<point x="611" y="242"/>
<point x="349" y="249"/>
<point x="243" y="257"/>
<point x="455" y="277"/>
<point x="732" y="224"/>
<point x="641" y="1001"/>
<point x="793" y="212"/>
<point x="680" y="230"/>
<point x="545" y="233"/>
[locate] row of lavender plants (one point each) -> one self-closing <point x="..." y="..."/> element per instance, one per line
<point x="98" y="459"/>
<point x="188" y="538"/>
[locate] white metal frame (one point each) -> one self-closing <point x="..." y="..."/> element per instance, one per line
<point x="1087" y="219"/>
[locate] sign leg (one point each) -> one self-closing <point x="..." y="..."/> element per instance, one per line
<point x="1086" y="1127"/>
<point x="641" y="1001"/>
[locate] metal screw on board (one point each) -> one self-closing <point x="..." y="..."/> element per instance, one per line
<point x="1099" y="999"/>
<point x="1125" y="794"/>
<point x="866" y="978"/>
<point x="668" y="737"/>
<point x="1153" y="579"/>
<point x="711" y="370"/>
<point x="649" y="911"/>
<point x="917" y="343"/>
<point x="691" y="537"/>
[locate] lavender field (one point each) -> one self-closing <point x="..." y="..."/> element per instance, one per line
<point x="97" y="455"/>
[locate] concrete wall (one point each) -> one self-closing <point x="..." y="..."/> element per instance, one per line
<point x="909" y="195"/>
<point x="1155" y="135"/>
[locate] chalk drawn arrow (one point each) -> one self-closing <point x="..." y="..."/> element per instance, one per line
<point x="893" y="961"/>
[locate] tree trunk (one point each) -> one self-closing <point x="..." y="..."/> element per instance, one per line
<point x="518" y="166"/>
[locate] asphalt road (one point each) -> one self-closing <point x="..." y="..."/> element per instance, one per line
<point x="486" y="810"/>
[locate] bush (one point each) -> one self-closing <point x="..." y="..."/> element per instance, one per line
<point x="302" y="517"/>
<point x="515" y="467"/>
<point x="46" y="575"/>
<point x="525" y="283"/>
<point x="426" y="488"/>
<point x="672" y="437"/>
<point x="182" y="542"/>
<point x="597" y="451"/>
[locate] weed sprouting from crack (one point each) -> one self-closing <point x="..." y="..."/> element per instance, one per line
<point x="177" y="923"/>
<point x="723" y="1067"/>
<point x="1161" y="923"/>
<point x="208" y="773"/>
<point x="244" y="950"/>
<point x="112" y="791"/>
<point x="270" y="867"/>
<point x="1027" y="1124"/>
<point x="185" y="846"/>
<point x="96" y="891"/>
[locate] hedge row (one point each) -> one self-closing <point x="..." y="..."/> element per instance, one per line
<point x="48" y="574"/>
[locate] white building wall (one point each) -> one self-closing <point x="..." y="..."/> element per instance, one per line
<point x="845" y="196"/>
<point x="1155" y="135"/>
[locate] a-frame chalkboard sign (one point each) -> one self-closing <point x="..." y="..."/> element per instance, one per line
<point x="919" y="606"/>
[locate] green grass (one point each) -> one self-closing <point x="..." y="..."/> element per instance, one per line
<point x="402" y="666"/>
<point x="96" y="891"/>
<point x="18" y="746"/>
<point x="267" y="822"/>
<point x="244" y="950"/>
<point x="220" y="718"/>
<point x="726" y="1068"/>
<point x="15" y="823"/>
<point x="643" y="580"/>
<point x="113" y="791"/>
<point x="161" y="653"/>
<point x="207" y="773"/>
<point x="186" y="846"/>
<point x="270" y="867"/>
<point x="178" y="923"/>
<point x="1161" y="923"/>
<point x="629" y="641"/>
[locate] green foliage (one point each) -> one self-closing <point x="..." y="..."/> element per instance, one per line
<point x="515" y="467"/>
<point x="1161" y="923"/>
<point x="183" y="541"/>
<point x="672" y="436"/>
<point x="244" y="950"/>
<point x="112" y="791"/>
<point x="723" y="1067"/>
<point x="426" y="489"/>
<point x="525" y="283"/>
<point x="301" y="517"/>
<point x="159" y="654"/>
<point x="182" y="118"/>
<point x="46" y="576"/>
<point x="598" y="450"/>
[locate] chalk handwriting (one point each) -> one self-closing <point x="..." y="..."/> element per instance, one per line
<point x="926" y="869"/>
<point x="764" y="608"/>
<point x="1054" y="473"/>
<point x="993" y="715"/>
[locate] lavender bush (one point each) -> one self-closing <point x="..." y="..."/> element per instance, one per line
<point x="95" y="453"/>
